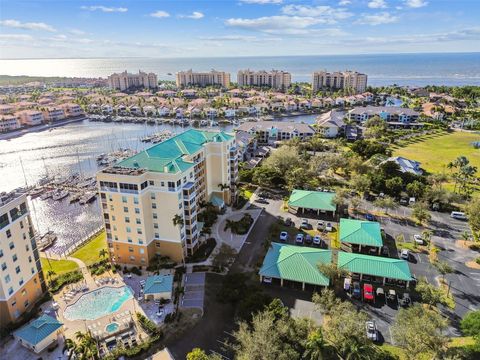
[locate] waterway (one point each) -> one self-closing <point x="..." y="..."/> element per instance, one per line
<point x="67" y="150"/>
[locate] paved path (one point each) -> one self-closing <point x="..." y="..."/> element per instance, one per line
<point x="83" y="268"/>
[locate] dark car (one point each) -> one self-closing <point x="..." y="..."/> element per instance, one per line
<point x="261" y="200"/>
<point x="288" y="221"/>
<point x="356" y="291"/>
<point x="404" y="300"/>
<point x="370" y="217"/>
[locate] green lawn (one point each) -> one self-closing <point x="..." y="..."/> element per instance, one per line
<point x="434" y="153"/>
<point x="89" y="253"/>
<point x="59" y="266"/>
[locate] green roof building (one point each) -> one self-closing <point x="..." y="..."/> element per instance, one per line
<point x="295" y="263"/>
<point x="158" y="286"/>
<point x="361" y="233"/>
<point x="39" y="334"/>
<point x="375" y="266"/>
<point x="316" y="201"/>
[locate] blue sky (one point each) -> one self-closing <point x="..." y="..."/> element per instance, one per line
<point x="182" y="28"/>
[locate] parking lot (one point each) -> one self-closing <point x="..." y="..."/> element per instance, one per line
<point x="193" y="296"/>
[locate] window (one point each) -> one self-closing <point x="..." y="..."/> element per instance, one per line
<point x="157" y="236"/>
<point x="154" y="206"/>
<point x="152" y="196"/>
<point x="162" y="183"/>
<point x="114" y="227"/>
<point x="14" y="303"/>
<point x="150" y="182"/>
<point x="143" y="185"/>
<point x="29" y="259"/>
<point x="4" y="266"/>
<point x="179" y="182"/>
<point x="179" y="205"/>
<point x="113" y="218"/>
<point x="14" y="257"/>
<point x="127" y="219"/>
<point x="110" y="198"/>
<point x="32" y="270"/>
<point x="17" y="269"/>
<point x="27" y="248"/>
<point x="24" y="236"/>
<point x="138" y="221"/>
<point x="116" y="238"/>
<point x="155" y="216"/>
<point x="129" y="230"/>
<point x="129" y="239"/>
<point x="137" y="211"/>
<point x="11" y="245"/>
<point x="1" y="253"/>
<point x="142" y="251"/>
<point x="21" y="224"/>
<point x="7" y="279"/>
<point x="132" y="258"/>
<point x="125" y="209"/>
<point x="155" y="225"/>
<point x="20" y="283"/>
<point x="9" y="234"/>
<point x="139" y="231"/>
<point x="135" y="200"/>
<point x="10" y="290"/>
<point x="130" y="249"/>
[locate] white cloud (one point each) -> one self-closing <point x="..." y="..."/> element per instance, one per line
<point x="105" y="9"/>
<point x="160" y="14"/>
<point x="344" y="2"/>
<point x="325" y="13"/>
<point x="276" y="24"/>
<point x="228" y="38"/>
<point x="377" y="4"/>
<point x="195" y="15"/>
<point x="77" y="32"/>
<point x="37" y="26"/>
<point x="261" y="2"/>
<point x="15" y="37"/>
<point x="416" y="3"/>
<point x="378" y="19"/>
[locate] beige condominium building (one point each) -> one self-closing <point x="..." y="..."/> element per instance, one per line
<point x="125" y="80"/>
<point x="339" y="80"/>
<point x="21" y="277"/>
<point x="275" y="79"/>
<point x="201" y="79"/>
<point x="142" y="195"/>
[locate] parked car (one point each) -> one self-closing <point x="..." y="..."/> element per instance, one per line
<point x="299" y="239"/>
<point x="458" y="215"/>
<point x="391" y="296"/>
<point x="370" y="217"/>
<point x="405" y="254"/>
<point x="261" y="200"/>
<point x="385" y="251"/>
<point x="317" y="240"/>
<point x="380" y="292"/>
<point x="320" y="225"/>
<point x="329" y="227"/>
<point x="356" y="292"/>
<point x="284" y="236"/>
<point x="267" y="279"/>
<point x="308" y="239"/>
<point x="288" y="221"/>
<point x="418" y="239"/>
<point x="304" y="224"/>
<point x="404" y="300"/>
<point x="347" y="284"/>
<point x="372" y="332"/>
<point x="368" y="294"/>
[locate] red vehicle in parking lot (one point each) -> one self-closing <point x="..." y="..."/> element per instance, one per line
<point x="368" y="294"/>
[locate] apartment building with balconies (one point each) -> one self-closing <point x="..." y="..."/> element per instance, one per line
<point x="151" y="200"/>
<point x="9" y="123"/>
<point x="339" y="80"/>
<point x="53" y="114"/>
<point x="124" y="81"/>
<point x="72" y="110"/>
<point x="202" y="79"/>
<point x="30" y="117"/>
<point x="275" y="79"/>
<point x="21" y="277"/>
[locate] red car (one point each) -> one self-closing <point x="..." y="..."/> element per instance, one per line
<point x="368" y="294"/>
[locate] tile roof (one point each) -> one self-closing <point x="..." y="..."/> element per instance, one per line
<point x="38" y="329"/>
<point x="156" y="284"/>
<point x="284" y="126"/>
<point x="376" y="110"/>
<point x="318" y="200"/>
<point x="296" y="263"/>
<point x="360" y="232"/>
<point x="375" y="266"/>
<point x="167" y="155"/>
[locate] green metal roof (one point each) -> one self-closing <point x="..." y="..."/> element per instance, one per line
<point x="296" y="263"/>
<point x="38" y="329"/>
<point x="375" y="266"/>
<point x="167" y="155"/>
<point x="158" y="284"/>
<point x="317" y="200"/>
<point x="360" y="232"/>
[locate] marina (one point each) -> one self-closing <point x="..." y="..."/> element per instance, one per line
<point x="66" y="160"/>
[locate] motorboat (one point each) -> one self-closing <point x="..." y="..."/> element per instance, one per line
<point x="60" y="194"/>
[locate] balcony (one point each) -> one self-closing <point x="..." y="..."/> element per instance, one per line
<point x="107" y="188"/>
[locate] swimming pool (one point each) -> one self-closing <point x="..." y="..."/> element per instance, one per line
<point x="98" y="303"/>
<point x="112" y="327"/>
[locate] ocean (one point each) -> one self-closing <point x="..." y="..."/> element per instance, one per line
<point x="385" y="69"/>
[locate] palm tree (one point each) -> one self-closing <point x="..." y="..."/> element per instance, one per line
<point x="50" y="274"/>
<point x="223" y="186"/>
<point x="465" y="236"/>
<point x="177" y="220"/>
<point x="103" y="253"/>
<point x="427" y="235"/>
<point x="314" y="345"/>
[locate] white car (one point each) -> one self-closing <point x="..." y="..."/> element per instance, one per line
<point x="405" y="254"/>
<point x="320" y="225"/>
<point x="371" y="329"/>
<point x="299" y="239"/>
<point x="283" y="236"/>
<point x="329" y="227"/>
<point x="317" y="240"/>
<point x="418" y="239"/>
<point x="305" y="224"/>
<point x="267" y="280"/>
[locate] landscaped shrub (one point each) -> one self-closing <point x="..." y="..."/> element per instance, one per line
<point x="203" y="252"/>
<point x="56" y="284"/>
<point x="477" y="260"/>
<point x="147" y="324"/>
<point x="241" y="226"/>
<point x="161" y="262"/>
<point x="208" y="216"/>
<point x="136" y="271"/>
<point x="100" y="267"/>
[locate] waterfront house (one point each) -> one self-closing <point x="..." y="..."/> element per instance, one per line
<point x="388" y="113"/>
<point x="163" y="111"/>
<point x="107" y="109"/>
<point x="6" y="109"/>
<point x="72" y="110"/>
<point x="9" y="123"/>
<point x="30" y="117"/>
<point x="270" y="132"/>
<point x="331" y="123"/>
<point x="53" y="113"/>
